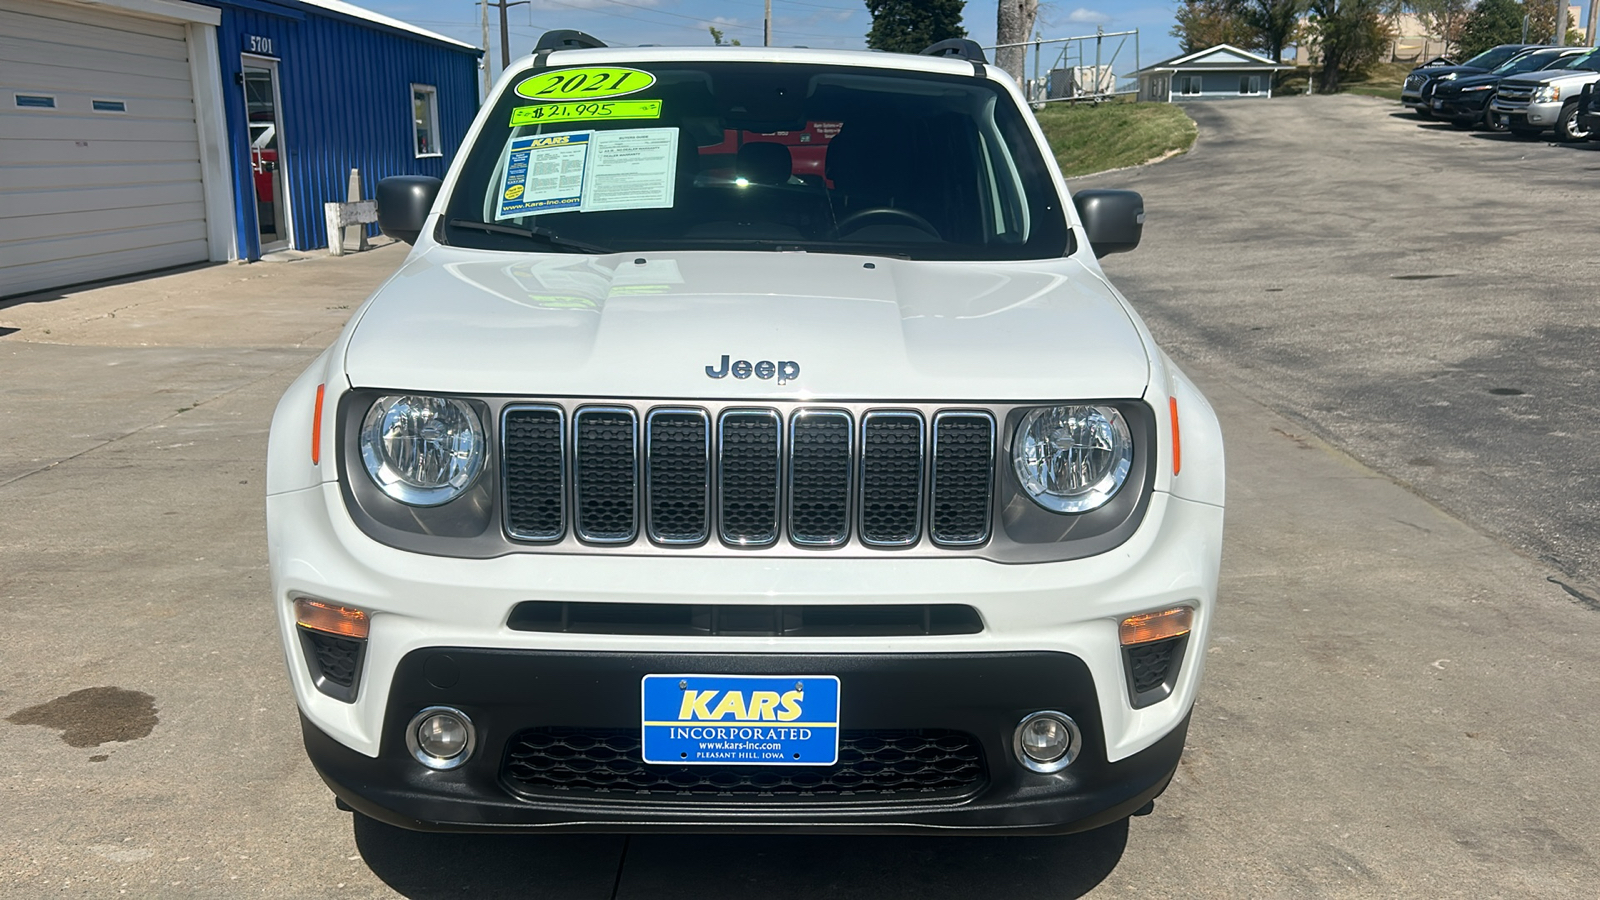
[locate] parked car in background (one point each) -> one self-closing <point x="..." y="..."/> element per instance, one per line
<point x="1537" y="102"/>
<point x="1589" y="110"/>
<point x="1416" y="92"/>
<point x="1465" y="101"/>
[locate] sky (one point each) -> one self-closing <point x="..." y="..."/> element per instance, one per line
<point x="813" y="23"/>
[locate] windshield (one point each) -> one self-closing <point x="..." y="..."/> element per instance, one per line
<point x="754" y="155"/>
<point x="1528" y="62"/>
<point x="1566" y="62"/>
<point x="1494" y="56"/>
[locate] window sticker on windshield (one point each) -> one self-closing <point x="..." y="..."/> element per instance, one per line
<point x="596" y="110"/>
<point x="588" y="83"/>
<point x="589" y="171"/>
<point x="544" y="174"/>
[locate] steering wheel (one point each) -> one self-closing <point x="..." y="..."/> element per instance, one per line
<point x="899" y="216"/>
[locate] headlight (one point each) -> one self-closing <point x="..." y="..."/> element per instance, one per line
<point x="1477" y="87"/>
<point x="1450" y="76"/>
<point x="422" y="451"/>
<point x="1546" y="94"/>
<point x="1071" y="459"/>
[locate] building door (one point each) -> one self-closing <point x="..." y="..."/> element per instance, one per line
<point x="265" y="122"/>
<point x="99" y="151"/>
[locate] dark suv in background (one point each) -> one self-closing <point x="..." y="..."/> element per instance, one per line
<point x="1465" y="100"/>
<point x="1417" y="91"/>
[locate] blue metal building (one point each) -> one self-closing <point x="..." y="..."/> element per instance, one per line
<point x="314" y="88"/>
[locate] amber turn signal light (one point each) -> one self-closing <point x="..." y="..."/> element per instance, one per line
<point x="1177" y="445"/>
<point x="1143" y="629"/>
<point x="316" y="428"/>
<point x="325" y="617"/>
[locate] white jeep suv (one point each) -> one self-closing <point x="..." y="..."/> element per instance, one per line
<point x="750" y="441"/>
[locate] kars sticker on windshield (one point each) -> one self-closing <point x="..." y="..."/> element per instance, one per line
<point x="588" y="83"/>
<point x="589" y="171"/>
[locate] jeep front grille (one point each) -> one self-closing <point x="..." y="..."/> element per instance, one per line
<point x="748" y="476"/>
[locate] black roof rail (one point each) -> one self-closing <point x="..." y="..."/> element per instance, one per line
<point x="959" y="47"/>
<point x="567" y="39"/>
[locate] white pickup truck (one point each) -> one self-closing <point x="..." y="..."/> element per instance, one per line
<point x="1535" y="102"/>
<point x="750" y="441"/>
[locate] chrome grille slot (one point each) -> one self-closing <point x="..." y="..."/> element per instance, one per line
<point x="606" y="474"/>
<point x="819" y="477"/>
<point x="963" y="477"/>
<point x="750" y="471"/>
<point x="535" y="472"/>
<point x="678" y="475"/>
<point x="891" y="478"/>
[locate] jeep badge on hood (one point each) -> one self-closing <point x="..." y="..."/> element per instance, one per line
<point x="786" y="370"/>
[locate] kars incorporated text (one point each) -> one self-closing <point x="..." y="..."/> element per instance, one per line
<point x="717" y="733"/>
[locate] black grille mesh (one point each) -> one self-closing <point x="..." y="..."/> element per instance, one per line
<point x="873" y="765"/>
<point x="1148" y="664"/>
<point x="891" y="478"/>
<point x="963" y="467"/>
<point x="337" y="657"/>
<point x="817" y="485"/>
<point x="750" y="477"/>
<point x="680" y="470"/>
<point x="819" y="492"/>
<point x="605" y="474"/>
<point x="534" y="474"/>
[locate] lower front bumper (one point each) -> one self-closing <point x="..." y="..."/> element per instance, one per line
<point x="983" y="695"/>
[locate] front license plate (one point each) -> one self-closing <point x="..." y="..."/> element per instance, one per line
<point x="741" y="720"/>
<point x="1438" y="104"/>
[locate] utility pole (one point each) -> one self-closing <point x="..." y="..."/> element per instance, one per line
<point x="487" y="81"/>
<point x="1561" y="24"/>
<point x="505" y="35"/>
<point x="766" y="26"/>
<point x="1594" y="23"/>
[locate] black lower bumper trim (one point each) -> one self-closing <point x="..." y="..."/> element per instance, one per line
<point x="507" y="692"/>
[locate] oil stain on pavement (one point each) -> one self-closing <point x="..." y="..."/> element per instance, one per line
<point x="94" y="716"/>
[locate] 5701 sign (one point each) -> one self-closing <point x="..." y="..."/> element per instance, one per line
<point x="255" y="43"/>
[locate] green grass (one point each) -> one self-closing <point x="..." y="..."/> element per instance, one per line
<point x="1114" y="135"/>
<point x="1383" y="81"/>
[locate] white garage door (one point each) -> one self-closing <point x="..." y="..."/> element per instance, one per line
<point x="99" y="154"/>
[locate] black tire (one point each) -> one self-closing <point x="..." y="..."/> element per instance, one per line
<point x="1490" y="121"/>
<point x="1424" y="114"/>
<point x="1526" y="133"/>
<point x="1567" y="128"/>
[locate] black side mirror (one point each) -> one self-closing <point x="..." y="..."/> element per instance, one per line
<point x="1114" y="219"/>
<point x="403" y="204"/>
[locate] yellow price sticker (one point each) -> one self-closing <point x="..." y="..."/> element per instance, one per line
<point x="587" y="83"/>
<point x="590" y="111"/>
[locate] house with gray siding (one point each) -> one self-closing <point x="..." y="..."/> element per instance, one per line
<point x="1222" y="72"/>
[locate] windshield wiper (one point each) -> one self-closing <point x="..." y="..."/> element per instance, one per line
<point x="533" y="232"/>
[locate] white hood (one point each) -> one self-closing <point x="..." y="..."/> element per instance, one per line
<point x="650" y="325"/>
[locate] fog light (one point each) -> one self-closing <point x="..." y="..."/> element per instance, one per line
<point x="440" y="737"/>
<point x="1047" y="741"/>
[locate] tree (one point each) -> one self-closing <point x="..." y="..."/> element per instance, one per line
<point x="908" y="26"/>
<point x="1350" y="35"/>
<point x="1444" y="18"/>
<point x="1207" y="23"/>
<point x="716" y="36"/>
<point x="1541" y="22"/>
<point x="1273" y="22"/>
<point x="1491" y="22"/>
<point x="1013" y="23"/>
